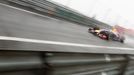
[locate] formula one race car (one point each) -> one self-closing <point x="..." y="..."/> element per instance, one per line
<point x="106" y="34"/>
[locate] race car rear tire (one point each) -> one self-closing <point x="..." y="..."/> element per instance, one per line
<point x="122" y="41"/>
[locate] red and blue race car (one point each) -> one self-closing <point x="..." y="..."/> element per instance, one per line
<point x="106" y="34"/>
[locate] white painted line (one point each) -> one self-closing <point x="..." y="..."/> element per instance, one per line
<point x="54" y="42"/>
<point x="107" y="57"/>
<point x="59" y="43"/>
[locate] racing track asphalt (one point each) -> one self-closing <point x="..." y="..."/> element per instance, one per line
<point x="15" y="22"/>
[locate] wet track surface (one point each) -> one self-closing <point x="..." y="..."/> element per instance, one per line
<point x="22" y="24"/>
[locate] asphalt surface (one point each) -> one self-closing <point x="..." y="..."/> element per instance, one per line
<point x="19" y="23"/>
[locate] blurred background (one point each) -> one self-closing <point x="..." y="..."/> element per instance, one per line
<point x="117" y="13"/>
<point x="112" y="12"/>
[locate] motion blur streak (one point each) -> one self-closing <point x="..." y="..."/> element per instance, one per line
<point x="59" y="43"/>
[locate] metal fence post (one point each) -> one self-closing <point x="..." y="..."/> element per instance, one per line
<point x="124" y="67"/>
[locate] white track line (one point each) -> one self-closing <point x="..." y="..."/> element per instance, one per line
<point x="54" y="42"/>
<point x="59" y="43"/>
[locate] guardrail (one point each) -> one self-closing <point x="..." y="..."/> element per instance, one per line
<point x="55" y="63"/>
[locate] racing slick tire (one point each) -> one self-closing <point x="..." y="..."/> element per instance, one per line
<point x="122" y="41"/>
<point x="92" y="30"/>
